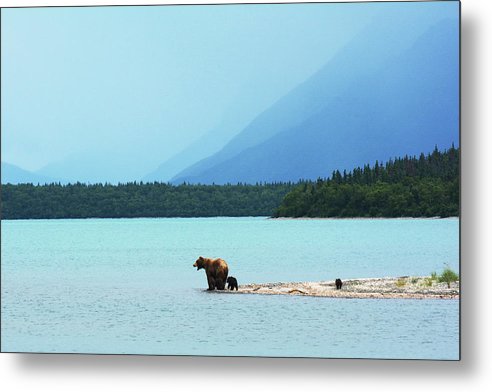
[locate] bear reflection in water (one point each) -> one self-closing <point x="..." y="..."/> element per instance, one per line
<point x="216" y="270"/>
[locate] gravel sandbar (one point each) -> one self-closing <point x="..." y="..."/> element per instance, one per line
<point x="416" y="287"/>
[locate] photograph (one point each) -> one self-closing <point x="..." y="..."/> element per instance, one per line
<point x="232" y="180"/>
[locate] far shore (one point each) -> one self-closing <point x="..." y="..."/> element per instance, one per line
<point x="405" y="287"/>
<point x="364" y="217"/>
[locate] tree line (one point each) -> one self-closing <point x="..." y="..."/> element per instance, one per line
<point x="52" y="201"/>
<point x="424" y="186"/>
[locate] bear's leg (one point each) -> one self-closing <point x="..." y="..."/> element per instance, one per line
<point x="220" y="284"/>
<point x="211" y="283"/>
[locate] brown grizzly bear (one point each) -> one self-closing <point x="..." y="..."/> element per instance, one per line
<point x="216" y="270"/>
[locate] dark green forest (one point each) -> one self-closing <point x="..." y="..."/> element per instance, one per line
<point x="26" y="201"/>
<point x="424" y="186"/>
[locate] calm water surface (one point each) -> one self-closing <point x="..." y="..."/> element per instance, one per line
<point x="128" y="286"/>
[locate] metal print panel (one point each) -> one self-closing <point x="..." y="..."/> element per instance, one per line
<point x="274" y="180"/>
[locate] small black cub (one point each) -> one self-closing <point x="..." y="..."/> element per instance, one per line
<point x="338" y="283"/>
<point x="231" y="283"/>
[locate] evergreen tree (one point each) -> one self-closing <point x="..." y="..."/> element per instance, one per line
<point x="408" y="186"/>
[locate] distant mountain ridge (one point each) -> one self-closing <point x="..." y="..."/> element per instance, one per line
<point x="12" y="174"/>
<point x="205" y="146"/>
<point x="363" y="105"/>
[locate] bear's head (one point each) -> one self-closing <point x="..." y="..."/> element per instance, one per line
<point x="199" y="263"/>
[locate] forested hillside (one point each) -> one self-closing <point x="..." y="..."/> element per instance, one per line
<point x="28" y="201"/>
<point x="423" y="186"/>
<point x="426" y="186"/>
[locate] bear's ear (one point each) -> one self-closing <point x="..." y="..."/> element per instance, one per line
<point x="200" y="258"/>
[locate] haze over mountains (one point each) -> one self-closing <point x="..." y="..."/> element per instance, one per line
<point x="12" y="174"/>
<point x="233" y="122"/>
<point x="370" y="102"/>
<point x="386" y="86"/>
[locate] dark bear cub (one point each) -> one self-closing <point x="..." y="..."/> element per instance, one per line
<point x="232" y="283"/>
<point x="338" y="283"/>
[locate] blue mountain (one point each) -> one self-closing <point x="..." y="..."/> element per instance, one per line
<point x="12" y="174"/>
<point x="371" y="102"/>
<point x="207" y="145"/>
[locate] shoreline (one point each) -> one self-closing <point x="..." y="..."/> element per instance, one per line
<point x="404" y="287"/>
<point x="234" y="217"/>
<point x="365" y="218"/>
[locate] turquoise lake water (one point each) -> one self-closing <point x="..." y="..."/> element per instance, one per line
<point x="128" y="286"/>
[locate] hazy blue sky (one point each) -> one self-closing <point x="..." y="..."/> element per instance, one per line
<point x="137" y="84"/>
